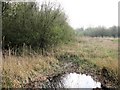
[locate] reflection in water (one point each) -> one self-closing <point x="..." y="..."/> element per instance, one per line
<point x="74" y="80"/>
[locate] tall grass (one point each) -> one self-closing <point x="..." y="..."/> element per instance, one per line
<point x="18" y="69"/>
<point x="102" y="52"/>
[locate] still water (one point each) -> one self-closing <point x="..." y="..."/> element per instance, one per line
<point x="74" y="80"/>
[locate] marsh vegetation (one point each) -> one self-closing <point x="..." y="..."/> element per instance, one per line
<point x="38" y="45"/>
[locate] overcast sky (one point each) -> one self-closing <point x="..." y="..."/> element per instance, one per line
<point x="86" y="13"/>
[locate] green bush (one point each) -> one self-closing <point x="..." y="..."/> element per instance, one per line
<point x="37" y="27"/>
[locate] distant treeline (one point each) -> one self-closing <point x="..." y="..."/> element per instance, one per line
<point x="26" y="23"/>
<point x="113" y="31"/>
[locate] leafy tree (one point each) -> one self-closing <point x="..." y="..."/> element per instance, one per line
<point x="100" y="32"/>
<point x="39" y="27"/>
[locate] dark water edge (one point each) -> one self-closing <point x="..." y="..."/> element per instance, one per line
<point x="74" y="80"/>
<point x="52" y="82"/>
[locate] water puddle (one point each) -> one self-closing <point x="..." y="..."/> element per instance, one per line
<point x="74" y="80"/>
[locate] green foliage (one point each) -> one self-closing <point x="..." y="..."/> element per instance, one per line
<point x="99" y="32"/>
<point x="26" y="23"/>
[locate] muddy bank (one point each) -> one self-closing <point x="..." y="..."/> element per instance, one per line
<point x="73" y="64"/>
<point x="53" y="81"/>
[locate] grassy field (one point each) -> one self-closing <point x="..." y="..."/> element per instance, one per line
<point x="102" y="52"/>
